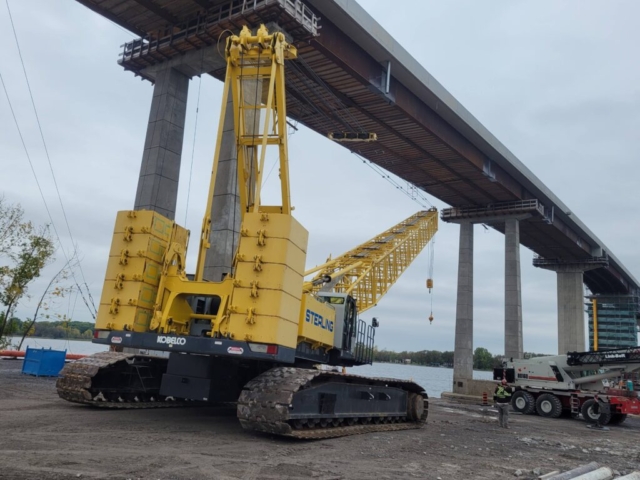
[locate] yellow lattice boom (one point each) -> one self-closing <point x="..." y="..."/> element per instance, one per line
<point x="369" y="270"/>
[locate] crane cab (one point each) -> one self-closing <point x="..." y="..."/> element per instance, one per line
<point x="353" y="338"/>
<point x="345" y="319"/>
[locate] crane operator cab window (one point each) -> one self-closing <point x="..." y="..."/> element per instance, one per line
<point x="345" y="307"/>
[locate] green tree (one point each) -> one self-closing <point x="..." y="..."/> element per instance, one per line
<point x="54" y="291"/>
<point x="24" y="251"/>
<point x="482" y="359"/>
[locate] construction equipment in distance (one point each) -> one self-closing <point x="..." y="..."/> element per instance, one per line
<point x="551" y="386"/>
<point x="255" y="335"/>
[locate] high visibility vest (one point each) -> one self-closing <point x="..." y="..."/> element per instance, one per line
<point x="502" y="392"/>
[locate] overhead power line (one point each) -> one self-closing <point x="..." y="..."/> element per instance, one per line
<point x="44" y="143"/>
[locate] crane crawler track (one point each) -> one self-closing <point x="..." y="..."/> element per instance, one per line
<point x="77" y="384"/>
<point x="265" y="405"/>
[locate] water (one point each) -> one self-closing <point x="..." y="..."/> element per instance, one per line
<point x="84" y="347"/>
<point x="433" y="380"/>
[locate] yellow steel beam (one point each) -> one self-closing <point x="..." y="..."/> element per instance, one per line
<point x="257" y="59"/>
<point x="595" y="324"/>
<point x="369" y="270"/>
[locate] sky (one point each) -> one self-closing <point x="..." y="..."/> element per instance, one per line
<point x="557" y="82"/>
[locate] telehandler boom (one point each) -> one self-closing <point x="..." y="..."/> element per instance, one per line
<point x="254" y="336"/>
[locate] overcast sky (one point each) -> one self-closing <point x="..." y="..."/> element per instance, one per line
<point x="557" y="82"/>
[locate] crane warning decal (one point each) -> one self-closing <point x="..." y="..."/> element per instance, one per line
<point x="319" y="321"/>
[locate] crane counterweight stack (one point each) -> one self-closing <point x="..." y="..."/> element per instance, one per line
<point x="260" y="330"/>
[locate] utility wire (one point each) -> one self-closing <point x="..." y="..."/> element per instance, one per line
<point x="44" y="200"/>
<point x="193" y="148"/>
<point x="421" y="200"/>
<point x="35" y="110"/>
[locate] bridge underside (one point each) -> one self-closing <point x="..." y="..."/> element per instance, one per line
<point x="337" y="85"/>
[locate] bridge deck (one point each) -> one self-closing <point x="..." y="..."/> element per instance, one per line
<point x="424" y="135"/>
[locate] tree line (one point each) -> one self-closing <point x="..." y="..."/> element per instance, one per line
<point x="58" y="329"/>
<point x="482" y="358"/>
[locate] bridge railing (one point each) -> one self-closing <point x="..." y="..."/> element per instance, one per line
<point x="206" y="29"/>
<point x="520" y="207"/>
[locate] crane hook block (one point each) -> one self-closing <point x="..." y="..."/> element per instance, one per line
<point x="430" y="319"/>
<point x="429" y="284"/>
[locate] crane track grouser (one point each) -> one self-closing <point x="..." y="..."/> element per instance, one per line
<point x="255" y="337"/>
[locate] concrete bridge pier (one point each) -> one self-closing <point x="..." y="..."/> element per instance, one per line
<point x="571" y="309"/>
<point x="161" y="158"/>
<point x="513" y="347"/>
<point x="160" y="168"/>
<point x="507" y="215"/>
<point x="463" y="350"/>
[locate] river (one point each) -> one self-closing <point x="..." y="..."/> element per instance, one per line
<point x="434" y="380"/>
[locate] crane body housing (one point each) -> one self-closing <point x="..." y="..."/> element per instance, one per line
<point x="253" y="336"/>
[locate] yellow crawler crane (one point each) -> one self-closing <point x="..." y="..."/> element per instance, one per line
<point x="254" y="337"/>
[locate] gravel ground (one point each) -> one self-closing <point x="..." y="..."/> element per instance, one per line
<point x="43" y="437"/>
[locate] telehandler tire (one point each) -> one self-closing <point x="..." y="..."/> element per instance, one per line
<point x="523" y="402"/>
<point x="590" y="416"/>
<point x="548" y="405"/>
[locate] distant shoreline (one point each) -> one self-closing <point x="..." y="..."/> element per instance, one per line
<point x="50" y="338"/>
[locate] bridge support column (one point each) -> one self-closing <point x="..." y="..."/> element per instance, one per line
<point x="571" y="335"/>
<point x="463" y="352"/>
<point x="512" y="291"/>
<point x="160" y="169"/>
<point x="571" y="300"/>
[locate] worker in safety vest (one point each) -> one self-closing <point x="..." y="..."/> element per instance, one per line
<point x="502" y="399"/>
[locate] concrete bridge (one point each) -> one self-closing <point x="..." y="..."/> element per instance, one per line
<point x="353" y="76"/>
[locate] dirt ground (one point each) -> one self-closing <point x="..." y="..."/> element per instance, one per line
<point x="43" y="437"/>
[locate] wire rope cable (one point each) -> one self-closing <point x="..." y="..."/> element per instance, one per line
<point x="44" y="143"/>
<point x="193" y="147"/>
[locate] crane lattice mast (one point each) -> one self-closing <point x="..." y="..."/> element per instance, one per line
<point x="369" y="270"/>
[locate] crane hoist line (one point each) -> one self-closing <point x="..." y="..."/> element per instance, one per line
<point x="257" y="336"/>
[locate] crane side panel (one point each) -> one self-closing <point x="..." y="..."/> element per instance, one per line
<point x="138" y="268"/>
<point x="144" y="221"/>
<point x="269" y="265"/>
<point x="140" y="240"/>
<point x="317" y="324"/>
<point x="271" y="275"/>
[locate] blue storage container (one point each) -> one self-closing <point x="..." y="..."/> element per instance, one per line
<point x="43" y="362"/>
